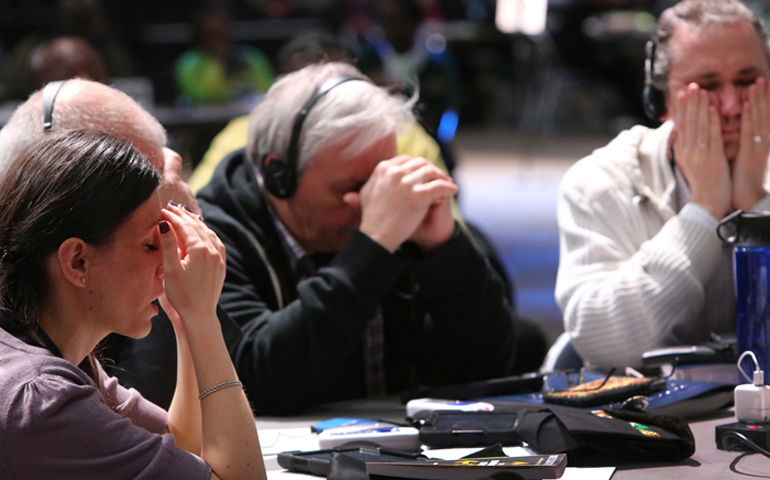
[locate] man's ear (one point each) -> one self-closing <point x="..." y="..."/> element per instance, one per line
<point x="271" y="158"/>
<point x="72" y="261"/>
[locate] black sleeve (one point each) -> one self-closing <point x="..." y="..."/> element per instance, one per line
<point x="308" y="352"/>
<point x="471" y="323"/>
<point x="149" y="364"/>
<point x="146" y="364"/>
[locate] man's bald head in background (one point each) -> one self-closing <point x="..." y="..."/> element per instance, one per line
<point x="85" y="104"/>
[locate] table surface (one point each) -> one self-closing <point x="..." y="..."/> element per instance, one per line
<point x="708" y="462"/>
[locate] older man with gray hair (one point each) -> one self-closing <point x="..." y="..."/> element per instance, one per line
<point x="345" y="269"/>
<point x="641" y="265"/>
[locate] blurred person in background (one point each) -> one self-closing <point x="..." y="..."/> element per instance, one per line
<point x="398" y="51"/>
<point x="81" y="19"/>
<point x="68" y="57"/>
<point x="219" y="70"/>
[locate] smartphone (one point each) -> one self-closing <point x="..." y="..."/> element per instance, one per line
<point x="452" y="429"/>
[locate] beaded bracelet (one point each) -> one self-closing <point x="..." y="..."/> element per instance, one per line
<point x="216" y="388"/>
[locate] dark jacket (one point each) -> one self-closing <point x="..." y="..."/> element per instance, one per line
<point x="149" y="364"/>
<point x="446" y="316"/>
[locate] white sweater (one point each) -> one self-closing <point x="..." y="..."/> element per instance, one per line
<point x="633" y="272"/>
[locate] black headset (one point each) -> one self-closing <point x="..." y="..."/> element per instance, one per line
<point x="49" y="95"/>
<point x="653" y="98"/>
<point x="280" y="174"/>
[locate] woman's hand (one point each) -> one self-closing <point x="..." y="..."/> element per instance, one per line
<point x="193" y="263"/>
<point x="194" y="268"/>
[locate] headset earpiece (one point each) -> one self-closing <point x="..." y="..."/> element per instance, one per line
<point x="654" y="102"/>
<point x="653" y="98"/>
<point x="280" y="175"/>
<point x="279" y="178"/>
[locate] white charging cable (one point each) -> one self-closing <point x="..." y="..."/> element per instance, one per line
<point x="752" y="402"/>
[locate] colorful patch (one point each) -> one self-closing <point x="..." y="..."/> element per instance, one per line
<point x="643" y="429"/>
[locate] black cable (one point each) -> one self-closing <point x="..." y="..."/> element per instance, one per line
<point x="757" y="450"/>
<point x="734" y="466"/>
<point x="745" y="440"/>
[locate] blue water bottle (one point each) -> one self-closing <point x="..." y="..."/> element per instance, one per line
<point x="750" y="233"/>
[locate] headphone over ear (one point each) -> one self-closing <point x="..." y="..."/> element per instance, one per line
<point x="49" y="95"/>
<point x="279" y="174"/>
<point x="653" y="98"/>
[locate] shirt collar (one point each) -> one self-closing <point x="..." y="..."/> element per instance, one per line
<point x="42" y="340"/>
<point x="290" y="245"/>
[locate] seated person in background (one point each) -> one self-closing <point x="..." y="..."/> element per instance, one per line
<point x="351" y="279"/>
<point x="218" y="70"/>
<point x="147" y="364"/>
<point x="85" y="249"/>
<point x="82" y="19"/>
<point x="68" y="57"/>
<point x="401" y="52"/>
<point x="641" y="265"/>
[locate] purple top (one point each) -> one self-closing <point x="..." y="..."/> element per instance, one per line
<point x="55" y="423"/>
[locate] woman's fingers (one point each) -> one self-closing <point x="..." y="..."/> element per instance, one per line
<point x="194" y="274"/>
<point x="195" y="222"/>
<point x="183" y="223"/>
<point x="168" y="243"/>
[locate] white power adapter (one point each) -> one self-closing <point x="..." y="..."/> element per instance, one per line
<point x="752" y="402"/>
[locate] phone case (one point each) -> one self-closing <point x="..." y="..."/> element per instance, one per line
<point x="450" y="429"/>
<point x="317" y="462"/>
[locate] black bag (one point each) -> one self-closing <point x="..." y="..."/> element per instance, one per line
<point x="605" y="437"/>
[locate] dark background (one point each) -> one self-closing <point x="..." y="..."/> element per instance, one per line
<point x="590" y="62"/>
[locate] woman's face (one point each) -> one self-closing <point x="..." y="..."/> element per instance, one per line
<point x="126" y="275"/>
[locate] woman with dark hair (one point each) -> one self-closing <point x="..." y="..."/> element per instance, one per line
<point x="85" y="249"/>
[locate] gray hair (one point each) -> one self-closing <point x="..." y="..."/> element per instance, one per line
<point x="699" y="14"/>
<point x="354" y="114"/>
<point x="93" y="106"/>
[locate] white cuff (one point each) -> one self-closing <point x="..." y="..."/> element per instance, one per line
<point x="693" y="212"/>
<point x="763" y="205"/>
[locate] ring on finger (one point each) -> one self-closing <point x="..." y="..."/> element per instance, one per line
<point x="757" y="138"/>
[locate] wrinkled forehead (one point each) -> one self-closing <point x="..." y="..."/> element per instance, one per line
<point x="722" y="52"/>
<point x="739" y="37"/>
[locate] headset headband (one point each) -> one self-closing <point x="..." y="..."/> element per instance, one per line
<point x="292" y="152"/>
<point x="649" y="61"/>
<point x="49" y="95"/>
<point x="280" y="174"/>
